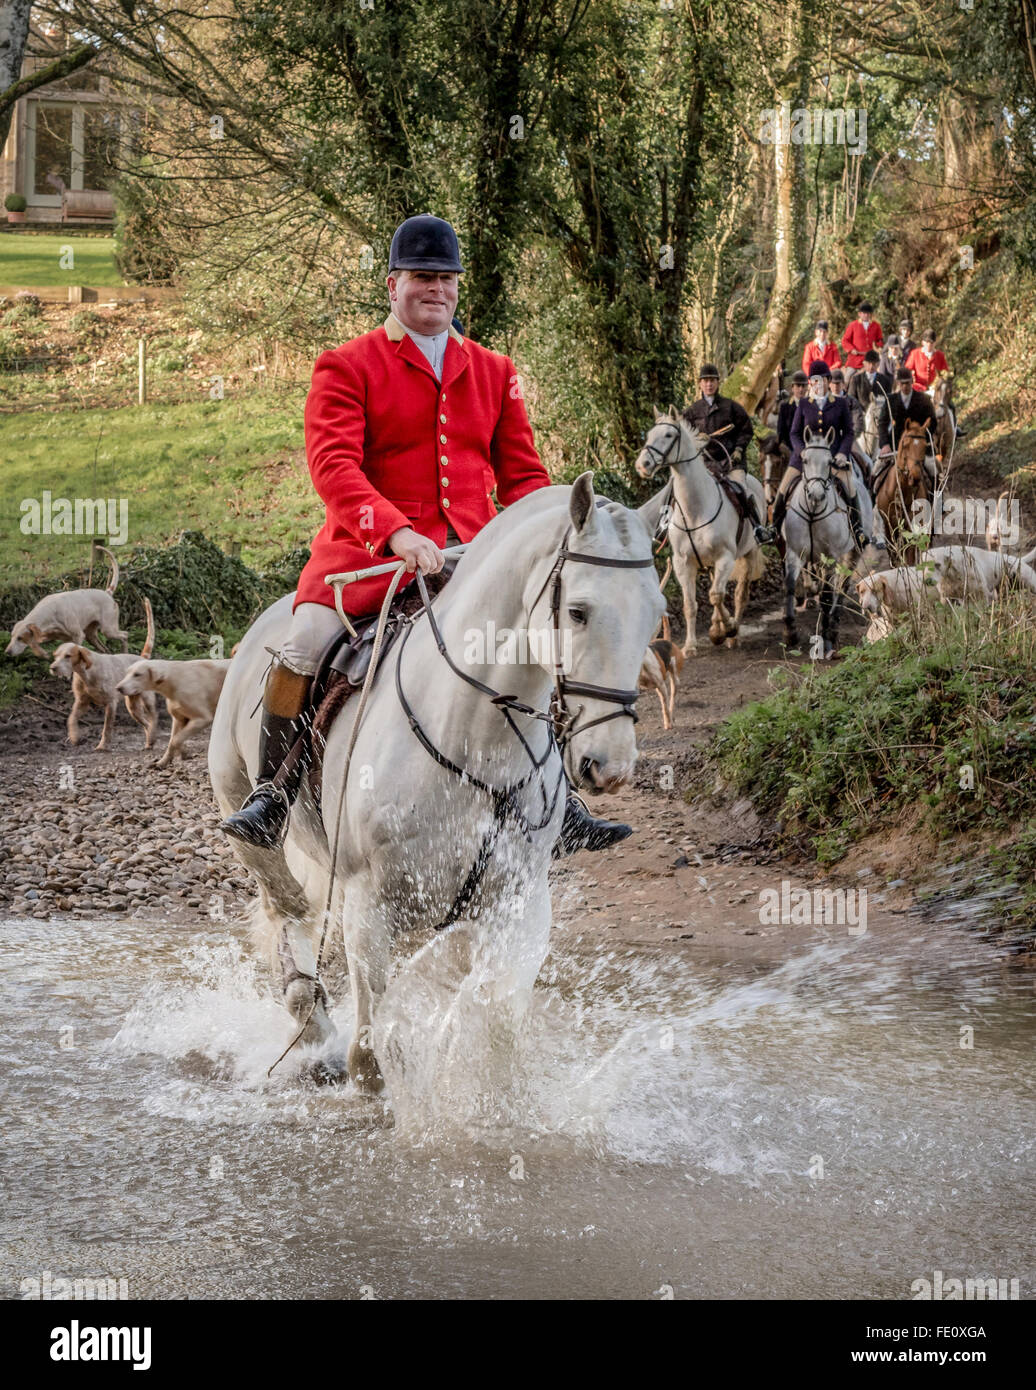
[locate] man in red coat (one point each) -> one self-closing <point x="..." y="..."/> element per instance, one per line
<point x="927" y="362"/>
<point x="862" y="334"/>
<point x="405" y="428"/>
<point x="820" y="349"/>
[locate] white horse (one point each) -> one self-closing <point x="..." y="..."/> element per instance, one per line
<point x="452" y="801"/>
<point x="817" y="535"/>
<point x="703" y="529"/>
<point x="867" y="439"/>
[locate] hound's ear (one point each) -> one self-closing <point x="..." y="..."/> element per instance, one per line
<point x="81" y="657"/>
<point x="883" y="586"/>
<point x="581" y="502"/>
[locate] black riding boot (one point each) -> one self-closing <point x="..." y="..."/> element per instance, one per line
<point x="764" y="534"/>
<point x="780" y="511"/>
<point x="581" y="830"/>
<point x="283" y="759"/>
<point x="856" y="523"/>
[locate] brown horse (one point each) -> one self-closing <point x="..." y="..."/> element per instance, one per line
<point x="903" y="483"/>
<point x="773" y="460"/>
<point x="945" y="415"/>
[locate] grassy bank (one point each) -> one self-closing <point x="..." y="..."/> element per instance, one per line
<point x="933" y="729"/>
<point x="31" y="261"/>
<point x="234" y="469"/>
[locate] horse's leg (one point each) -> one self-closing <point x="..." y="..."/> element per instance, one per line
<point x="281" y="918"/>
<point x="687" y="575"/>
<point x="722" y="624"/>
<point x="366" y="933"/>
<point x="742" y="573"/>
<point x="791" y="576"/>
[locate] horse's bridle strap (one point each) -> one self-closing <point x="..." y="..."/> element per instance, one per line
<point x="605" y="560"/>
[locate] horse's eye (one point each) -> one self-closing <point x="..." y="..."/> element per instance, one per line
<point x="578" y="616"/>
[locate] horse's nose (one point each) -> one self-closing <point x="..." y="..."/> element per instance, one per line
<point x="593" y="774"/>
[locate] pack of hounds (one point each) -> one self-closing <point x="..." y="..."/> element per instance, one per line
<point x="105" y="679"/>
<point x="191" y="689"/>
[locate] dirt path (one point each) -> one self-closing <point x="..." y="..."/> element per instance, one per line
<point x="87" y="833"/>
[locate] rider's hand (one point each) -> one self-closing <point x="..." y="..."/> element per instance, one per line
<point x="841" y="461"/>
<point x="886" y="451"/>
<point x="418" y="551"/>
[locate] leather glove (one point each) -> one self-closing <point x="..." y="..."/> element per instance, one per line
<point x="737" y="458"/>
<point x="841" y="461"/>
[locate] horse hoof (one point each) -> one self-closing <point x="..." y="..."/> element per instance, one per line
<point x="364" y="1071"/>
<point x="690" y="651"/>
<point x="326" y="1071"/>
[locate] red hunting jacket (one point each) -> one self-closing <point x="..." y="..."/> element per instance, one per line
<point x="388" y="446"/>
<point x="926" y="369"/>
<point x="856" y="340"/>
<point x="828" y="353"/>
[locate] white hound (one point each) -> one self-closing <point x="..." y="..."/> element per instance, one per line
<point x="74" y="615"/>
<point x="95" y="677"/>
<point x="191" y="690"/>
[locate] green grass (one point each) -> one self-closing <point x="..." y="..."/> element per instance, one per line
<point x="934" y="726"/>
<point x="28" y="261"/>
<point x="230" y="469"/>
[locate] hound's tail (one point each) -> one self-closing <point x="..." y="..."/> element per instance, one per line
<point x="149" y="642"/>
<point x="667" y="632"/>
<point x="665" y="577"/>
<point x="113" y="582"/>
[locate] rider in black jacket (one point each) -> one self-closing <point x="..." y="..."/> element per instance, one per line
<point x="730" y="428"/>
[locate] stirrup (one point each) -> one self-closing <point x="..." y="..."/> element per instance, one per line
<point x="263" y="789"/>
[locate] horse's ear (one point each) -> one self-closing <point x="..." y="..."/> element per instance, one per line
<point x="658" y="412"/>
<point x="581" y="502"/>
<point x="807" y="435"/>
<point x="829" y="436"/>
<point x="674" y="415"/>
<point x="785" y="451"/>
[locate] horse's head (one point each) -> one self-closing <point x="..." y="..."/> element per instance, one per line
<point x="816" y="464"/>
<point x="774" y="459"/>
<point x="605" y="615"/>
<point x="942" y="394"/>
<point x="910" y="456"/>
<point x="670" y="440"/>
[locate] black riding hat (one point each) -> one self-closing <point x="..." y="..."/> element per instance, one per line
<point x="799" y="379"/>
<point x="425" y="243"/>
<point x="708" y="372"/>
<point x="905" y="374"/>
<point x="819" y="368"/>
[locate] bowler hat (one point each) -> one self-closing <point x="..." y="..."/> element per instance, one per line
<point x="708" y="372"/>
<point x="799" y="379"/>
<point x="905" y="374"/>
<point x="425" y="243"/>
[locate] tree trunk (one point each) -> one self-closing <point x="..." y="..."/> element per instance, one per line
<point x="749" y="379"/>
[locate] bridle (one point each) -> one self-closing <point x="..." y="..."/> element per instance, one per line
<point x="659" y="457"/>
<point x="564" y="722"/>
<point x="560" y="721"/>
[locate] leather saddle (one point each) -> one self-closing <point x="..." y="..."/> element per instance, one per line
<point x="734" y="491"/>
<point x="343" y="668"/>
